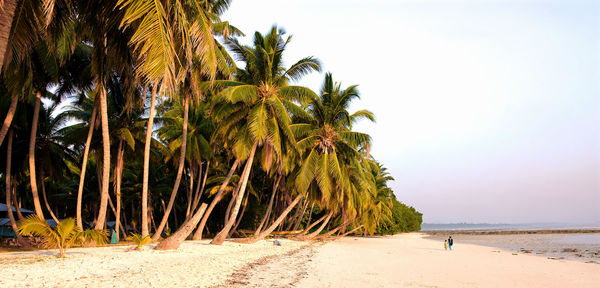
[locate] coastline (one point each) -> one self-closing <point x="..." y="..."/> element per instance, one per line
<point x="403" y="260"/>
<point x="412" y="260"/>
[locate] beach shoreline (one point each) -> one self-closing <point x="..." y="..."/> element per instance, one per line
<point x="403" y="260"/>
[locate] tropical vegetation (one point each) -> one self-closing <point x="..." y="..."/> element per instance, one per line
<point x="152" y="119"/>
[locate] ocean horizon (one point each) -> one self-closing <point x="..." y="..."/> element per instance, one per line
<point x="507" y="226"/>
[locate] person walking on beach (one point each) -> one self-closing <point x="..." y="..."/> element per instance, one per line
<point x="445" y="244"/>
<point x="450" y="242"/>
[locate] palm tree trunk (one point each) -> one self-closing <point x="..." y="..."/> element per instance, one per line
<point x="32" y="138"/>
<point x="347" y="233"/>
<point x="9" y="114"/>
<point x="86" y="152"/>
<point x="329" y="233"/>
<point x="161" y="226"/>
<point x="220" y="238"/>
<point x="198" y="233"/>
<point x="200" y="188"/>
<point x="6" y="18"/>
<point x="147" y="164"/>
<point x="268" y="212"/>
<point x="118" y="176"/>
<point x="106" y="160"/>
<point x="46" y="198"/>
<point x="313" y="225"/>
<point x="236" y="190"/>
<point x="17" y="204"/>
<point x="239" y="219"/>
<point x="190" y="192"/>
<point x="299" y="220"/>
<point x="262" y="235"/>
<point x="173" y="241"/>
<point x="8" y="187"/>
<point x="314" y="234"/>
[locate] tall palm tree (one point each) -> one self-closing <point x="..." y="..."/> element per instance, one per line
<point x="257" y="107"/>
<point x="330" y="147"/>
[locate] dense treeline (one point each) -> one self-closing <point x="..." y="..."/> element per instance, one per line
<point x="156" y="119"/>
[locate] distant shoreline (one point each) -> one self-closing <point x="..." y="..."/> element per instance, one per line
<point x="508" y="231"/>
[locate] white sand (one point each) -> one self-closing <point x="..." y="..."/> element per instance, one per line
<point x="194" y="264"/>
<point x="406" y="260"/>
<point x="409" y="260"/>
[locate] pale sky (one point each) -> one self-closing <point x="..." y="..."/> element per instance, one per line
<point x="487" y="111"/>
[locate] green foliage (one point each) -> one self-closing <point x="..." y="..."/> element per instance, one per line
<point x="63" y="236"/>
<point x="404" y="219"/>
<point x="139" y="240"/>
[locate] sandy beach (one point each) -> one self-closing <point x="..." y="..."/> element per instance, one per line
<point x="194" y="264"/>
<point x="406" y="260"/>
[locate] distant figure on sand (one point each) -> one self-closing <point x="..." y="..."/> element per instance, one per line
<point x="450" y="242"/>
<point x="445" y="244"/>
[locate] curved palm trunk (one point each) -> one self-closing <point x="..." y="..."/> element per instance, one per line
<point x="220" y="238"/>
<point x="86" y="152"/>
<point x="201" y="187"/>
<point x="268" y="212"/>
<point x="262" y="235"/>
<point x="220" y="193"/>
<point x="232" y="202"/>
<point x="347" y="233"/>
<point x="314" y="234"/>
<point x="161" y="226"/>
<point x="302" y="216"/>
<point x="45" y="197"/>
<point x="7" y="176"/>
<point x="173" y="241"/>
<point x="32" y="138"/>
<point x="326" y="235"/>
<point x="6" y="18"/>
<point x="146" y="165"/>
<point x="9" y="115"/>
<point x="313" y="225"/>
<point x="239" y="219"/>
<point x="17" y="204"/>
<point x="105" y="162"/>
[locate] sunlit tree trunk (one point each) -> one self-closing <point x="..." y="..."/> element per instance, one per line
<point x="216" y="199"/>
<point x="117" y="176"/>
<point x="199" y="193"/>
<point x="86" y="151"/>
<point x="32" y="138"/>
<point x="312" y="225"/>
<point x="165" y="217"/>
<point x="347" y="233"/>
<point x="46" y="197"/>
<point x="299" y="220"/>
<point x="220" y="238"/>
<point x="106" y="160"/>
<point x="268" y="212"/>
<point x="239" y="219"/>
<point x="318" y="231"/>
<point x="9" y="115"/>
<point x="7" y="9"/>
<point x="173" y="241"/>
<point x="147" y="164"/>
<point x="270" y="229"/>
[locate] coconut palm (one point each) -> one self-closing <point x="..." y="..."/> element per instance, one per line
<point x="256" y="108"/>
<point x="63" y="236"/>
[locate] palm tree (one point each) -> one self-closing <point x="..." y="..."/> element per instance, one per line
<point x="65" y="235"/>
<point x="331" y="147"/>
<point x="257" y="107"/>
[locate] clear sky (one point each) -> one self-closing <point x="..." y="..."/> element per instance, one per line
<point x="487" y="111"/>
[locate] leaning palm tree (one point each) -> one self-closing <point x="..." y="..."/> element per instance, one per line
<point x="256" y="108"/>
<point x="63" y="236"/>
